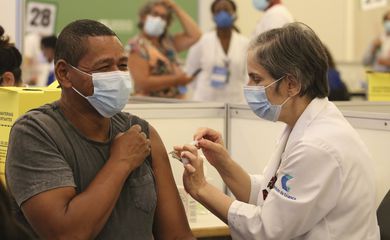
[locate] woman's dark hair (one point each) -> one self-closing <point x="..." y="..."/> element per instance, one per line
<point x="10" y="58"/>
<point x="234" y="6"/>
<point x="331" y="63"/>
<point x="217" y="1"/>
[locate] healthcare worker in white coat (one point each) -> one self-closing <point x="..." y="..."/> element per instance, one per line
<point x="275" y="15"/>
<point x="319" y="185"/>
<point x="219" y="58"/>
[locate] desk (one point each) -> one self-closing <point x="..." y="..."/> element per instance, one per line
<point x="208" y="225"/>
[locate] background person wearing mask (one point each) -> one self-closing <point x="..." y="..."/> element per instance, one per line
<point x="153" y="53"/>
<point x="319" y="183"/>
<point x="220" y="58"/>
<point x="48" y="46"/>
<point x="276" y="15"/>
<point x="377" y="55"/>
<point x="10" y="62"/>
<point x="87" y="170"/>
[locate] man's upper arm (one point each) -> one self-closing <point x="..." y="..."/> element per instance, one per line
<point x="44" y="210"/>
<point x="34" y="163"/>
<point x="170" y="211"/>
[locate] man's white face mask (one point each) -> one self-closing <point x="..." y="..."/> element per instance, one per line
<point x="111" y="91"/>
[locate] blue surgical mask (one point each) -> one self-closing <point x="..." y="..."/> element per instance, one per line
<point x="261" y="4"/>
<point x="223" y="19"/>
<point x="387" y="26"/>
<point x="111" y="91"/>
<point x="154" y="26"/>
<point x="257" y="100"/>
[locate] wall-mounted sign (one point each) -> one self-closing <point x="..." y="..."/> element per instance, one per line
<point x="41" y="17"/>
<point x="371" y="4"/>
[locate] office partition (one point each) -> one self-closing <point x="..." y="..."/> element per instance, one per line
<point x="251" y="141"/>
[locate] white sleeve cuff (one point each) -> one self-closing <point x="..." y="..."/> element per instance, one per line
<point x="256" y="186"/>
<point x="244" y="221"/>
<point x="234" y="220"/>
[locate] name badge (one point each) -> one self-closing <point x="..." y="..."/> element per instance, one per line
<point x="219" y="76"/>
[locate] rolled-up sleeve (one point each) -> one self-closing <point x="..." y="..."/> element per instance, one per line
<point x="244" y="220"/>
<point x="256" y="186"/>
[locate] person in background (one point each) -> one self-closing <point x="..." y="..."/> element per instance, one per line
<point x="320" y="183"/>
<point x="10" y="229"/>
<point x="276" y="15"/>
<point x="377" y="55"/>
<point x="219" y="58"/>
<point x="33" y="59"/>
<point x="80" y="168"/>
<point x="153" y="58"/>
<point x="48" y="46"/>
<point x="338" y="91"/>
<point x="10" y="62"/>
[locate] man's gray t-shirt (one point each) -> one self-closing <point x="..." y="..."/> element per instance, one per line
<point x="46" y="152"/>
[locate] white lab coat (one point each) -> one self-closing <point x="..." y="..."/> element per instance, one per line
<point x="206" y="54"/>
<point x="274" y="17"/>
<point x="324" y="189"/>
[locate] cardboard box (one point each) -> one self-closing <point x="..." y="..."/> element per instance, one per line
<point x="14" y="102"/>
<point x="378" y="86"/>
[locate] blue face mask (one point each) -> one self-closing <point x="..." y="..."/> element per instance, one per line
<point x="110" y="93"/>
<point x="261" y="4"/>
<point x="387" y="26"/>
<point x="223" y="19"/>
<point x="257" y="100"/>
<point x="154" y="26"/>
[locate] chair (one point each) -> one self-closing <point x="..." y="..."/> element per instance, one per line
<point x="383" y="214"/>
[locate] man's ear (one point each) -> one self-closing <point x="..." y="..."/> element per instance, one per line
<point x="62" y="74"/>
<point x="294" y="85"/>
<point x="8" y="79"/>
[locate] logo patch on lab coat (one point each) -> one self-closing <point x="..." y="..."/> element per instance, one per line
<point x="285" y="188"/>
<point x="284" y="181"/>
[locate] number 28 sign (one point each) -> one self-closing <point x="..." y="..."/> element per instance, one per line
<point x="41" y="17"/>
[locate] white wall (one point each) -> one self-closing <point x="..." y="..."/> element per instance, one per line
<point x="331" y="20"/>
<point x="11" y="20"/>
